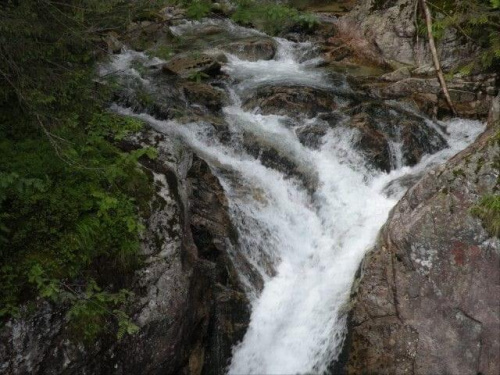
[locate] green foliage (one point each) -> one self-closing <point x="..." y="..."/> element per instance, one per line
<point x="92" y="308"/>
<point x="197" y="9"/>
<point x="70" y="200"/>
<point x="268" y="16"/>
<point x="488" y="210"/>
<point x="63" y="221"/>
<point x="197" y="77"/>
<point x="272" y="18"/>
<point x="477" y="21"/>
<point x="163" y="52"/>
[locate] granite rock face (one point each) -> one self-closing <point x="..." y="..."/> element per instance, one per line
<point x="384" y="34"/>
<point x="386" y="31"/>
<point x="427" y="301"/>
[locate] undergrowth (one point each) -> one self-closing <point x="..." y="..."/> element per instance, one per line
<point x="488" y="210"/>
<point x="70" y="200"/>
<point x="268" y="16"/>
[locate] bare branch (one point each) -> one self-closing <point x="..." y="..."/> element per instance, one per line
<point x="435" y="58"/>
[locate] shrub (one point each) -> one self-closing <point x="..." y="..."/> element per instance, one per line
<point x="70" y="200"/>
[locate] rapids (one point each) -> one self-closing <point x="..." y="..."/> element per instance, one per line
<point x="306" y="240"/>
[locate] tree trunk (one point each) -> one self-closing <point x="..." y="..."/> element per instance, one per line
<point x="437" y="65"/>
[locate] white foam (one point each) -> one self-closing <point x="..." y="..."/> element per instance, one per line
<point x="306" y="246"/>
<point x="284" y="69"/>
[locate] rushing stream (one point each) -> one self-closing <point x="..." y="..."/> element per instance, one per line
<point x="305" y="233"/>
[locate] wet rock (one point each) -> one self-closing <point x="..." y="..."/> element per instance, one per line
<point x="164" y="100"/>
<point x="372" y="142"/>
<point x="214" y="234"/>
<point x="292" y="100"/>
<point x="311" y="133"/>
<point x="228" y="325"/>
<point x="427" y="300"/>
<point x="269" y="156"/>
<point x="252" y="49"/>
<point x="384" y="129"/>
<point x="210" y="222"/>
<point x="472" y="95"/>
<point x="191" y="65"/>
<point x="204" y="94"/>
<point x="170" y="96"/>
<point x="280" y="160"/>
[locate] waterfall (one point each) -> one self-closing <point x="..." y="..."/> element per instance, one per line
<point x="306" y="232"/>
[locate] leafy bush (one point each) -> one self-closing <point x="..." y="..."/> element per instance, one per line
<point x="69" y="224"/>
<point x="70" y="200"/>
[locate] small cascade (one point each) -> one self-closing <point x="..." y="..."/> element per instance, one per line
<point x="306" y="215"/>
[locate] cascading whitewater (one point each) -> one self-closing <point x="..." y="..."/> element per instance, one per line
<point x="306" y="239"/>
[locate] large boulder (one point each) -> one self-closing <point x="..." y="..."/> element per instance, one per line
<point x="427" y="301"/>
<point x="204" y="94"/>
<point x="190" y="65"/>
<point x="291" y="100"/>
<point x="252" y="49"/>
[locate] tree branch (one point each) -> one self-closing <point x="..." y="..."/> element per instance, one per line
<point x="435" y="58"/>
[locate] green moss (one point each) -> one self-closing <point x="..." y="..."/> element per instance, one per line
<point x="488" y="210"/>
<point x="458" y="173"/>
<point x="163" y="52"/>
